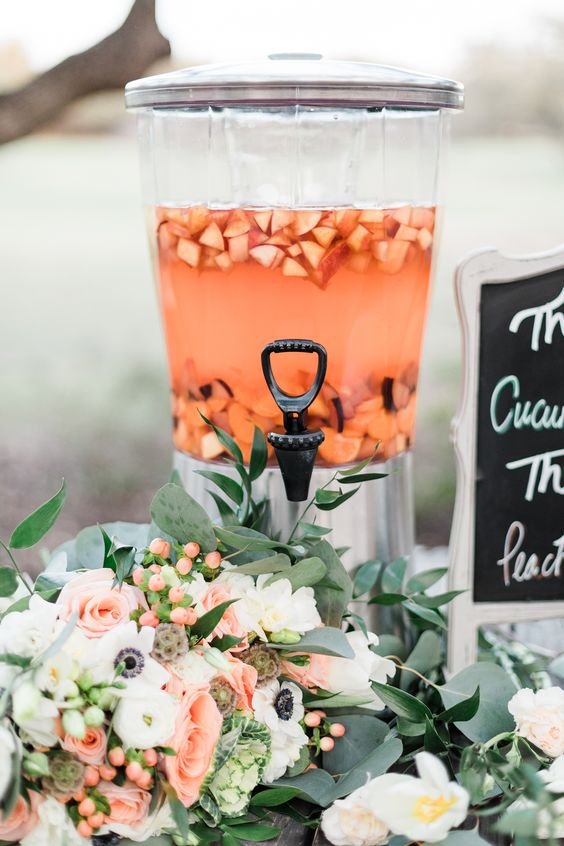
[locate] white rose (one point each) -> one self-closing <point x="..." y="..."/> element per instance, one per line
<point x="352" y="821"/>
<point x="353" y="675"/>
<point x="146" y="719"/>
<point x="7" y="749"/>
<point x="539" y="717"/>
<point x="55" y="827"/>
<point x="423" y="808"/>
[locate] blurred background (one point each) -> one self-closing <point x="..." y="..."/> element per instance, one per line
<point x="84" y="389"/>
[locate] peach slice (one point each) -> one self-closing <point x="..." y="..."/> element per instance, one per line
<point x="241" y="425"/>
<point x="295" y="250"/>
<point x="239" y="248"/>
<point x="402" y="215"/>
<point x="265" y="406"/>
<point x="221" y="419"/>
<point x="220" y="216"/>
<point x="189" y="252"/>
<point x="359" y="262"/>
<point x="178" y="230"/>
<point x="406" y="233"/>
<point x="424" y="238"/>
<point x="372" y="406"/>
<point x="190" y="413"/>
<point x="198" y="218"/>
<point x="238" y="224"/>
<point x="313" y="252"/>
<point x="306" y="221"/>
<point x="324" y="235"/>
<point x="266" y="255"/>
<point x="256" y="237"/>
<point x="371" y="217"/>
<point x="346" y="220"/>
<point x="188" y="382"/>
<point x="281" y="218"/>
<point x="212" y="237"/>
<point x="167" y="238"/>
<point x="422" y="218"/>
<point x="179" y="216"/>
<point x="395" y="256"/>
<point x="224" y="261"/>
<point x="290" y="267"/>
<point x="279" y="240"/>
<point x="359" y="239"/>
<point x="263" y="219"/>
<point x="338" y="449"/>
<point x="400" y="394"/>
<point x="382" y="427"/>
<point x="210" y="446"/>
<point x="330" y="264"/>
<point x="329" y="218"/>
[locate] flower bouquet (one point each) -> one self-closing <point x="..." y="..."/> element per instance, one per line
<point x="190" y="683"/>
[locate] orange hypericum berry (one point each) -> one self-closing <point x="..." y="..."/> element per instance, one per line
<point x="116" y="756"/>
<point x="179" y="616"/>
<point x="156" y="583"/>
<point x="326" y="744"/>
<point x="158" y="546"/>
<point x="133" y="770"/>
<point x="145" y="780"/>
<point x="155" y="568"/>
<point x="86" y="808"/>
<point x="191" y="616"/>
<point x="176" y="594"/>
<point x="213" y="560"/>
<point x="191" y="549"/>
<point x="79" y="795"/>
<point x="149" y="618"/>
<point x="337" y="730"/>
<point x="312" y="720"/>
<point x="84" y="829"/>
<point x="107" y="773"/>
<point x="91" y="776"/>
<point x="184" y="565"/>
<point x="96" y="820"/>
<point x="138" y="576"/>
<point x="151" y="757"/>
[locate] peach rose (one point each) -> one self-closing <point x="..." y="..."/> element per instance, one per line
<point x="91" y="749"/>
<point x="243" y="679"/>
<point x="22" y="820"/>
<point x="195" y="736"/>
<point x="129" y="807"/>
<point x="229" y="623"/>
<point x="100" y="606"/>
<point x="313" y="675"/>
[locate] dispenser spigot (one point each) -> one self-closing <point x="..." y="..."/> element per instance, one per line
<point x="297" y="447"/>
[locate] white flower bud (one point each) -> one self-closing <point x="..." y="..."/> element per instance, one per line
<point x="73" y="724"/>
<point x="216" y="658"/>
<point x="94" y="716"/>
<point x="25" y="702"/>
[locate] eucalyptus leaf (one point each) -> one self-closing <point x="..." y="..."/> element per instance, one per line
<point x="376" y="763"/>
<point x="315" y="785"/>
<point x="277" y="563"/>
<point x="227" y="514"/>
<point x="463" y="710"/>
<point x="366" y="577"/>
<point x="331" y="602"/>
<point x="496" y="689"/>
<point x="390" y="645"/>
<point x="8" y="581"/>
<point x="339" y="701"/>
<point x="256" y="832"/>
<point x="427" y="614"/>
<point x="323" y="641"/>
<point x="177" y="513"/>
<point x="363" y="731"/>
<point x="305" y="573"/>
<point x="426" y="579"/>
<point x="37" y="524"/>
<point x="438" y="600"/>
<point x="239" y="537"/>
<point x="312" y="530"/>
<point x="90" y="548"/>
<point x="329" y="504"/>
<point x="425" y="656"/>
<point x="273" y="797"/>
<point x="393" y="576"/>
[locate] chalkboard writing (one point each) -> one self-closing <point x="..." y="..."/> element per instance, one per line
<point x="519" y="473"/>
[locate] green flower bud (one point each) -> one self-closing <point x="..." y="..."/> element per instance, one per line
<point x="170" y="643"/>
<point x="94" y="695"/>
<point x="72" y="690"/>
<point x="73" y="724"/>
<point x="36" y="764"/>
<point x="216" y="658"/>
<point x="285" y="636"/>
<point x="94" y="716"/>
<point x="106" y="700"/>
<point x="265" y="660"/>
<point x="85" y="681"/>
<point x="186" y="602"/>
<point x="74" y="703"/>
<point x="170" y="576"/>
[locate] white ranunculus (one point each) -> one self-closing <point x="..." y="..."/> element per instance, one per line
<point x="539" y="717"/>
<point x="130" y="646"/>
<point x="352" y="821"/>
<point x="145" y="719"/>
<point x="423" y="808"/>
<point x="7" y="749"/>
<point x="353" y="675"/>
<point x="55" y="827"/>
<point x="193" y="668"/>
<point x="280" y="708"/>
<point x="29" y="633"/>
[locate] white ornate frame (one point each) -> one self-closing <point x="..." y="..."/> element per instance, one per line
<point x="466" y="616"/>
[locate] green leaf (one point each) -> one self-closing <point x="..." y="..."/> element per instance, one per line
<point x="393" y="576"/>
<point x="257" y="832"/>
<point x="226" y="513"/>
<point x="239" y="537"/>
<point x="338" y="700"/>
<point x="178" y="811"/>
<point x="8" y="581"/>
<point x="426" y="579"/>
<point x="377" y="762"/>
<point x="363" y="731"/>
<point x="124" y="558"/>
<point x="259" y="455"/>
<point x="433" y="742"/>
<point x="438" y="600"/>
<point x="357" y="468"/>
<point x="23" y="603"/>
<point x="33" y="528"/>
<point x="462" y="711"/>
<point x="273" y="797"/>
<point x="425" y="656"/>
<point x="178" y="514"/>
<point x="401" y="703"/>
<point x="323" y="641"/>
<point x="90" y="547"/>
<point x="229" y="486"/>
<point x="387" y="599"/>
<point x="207" y="622"/>
<point x="226" y="642"/>
<point x="363" y="477"/>
<point x="315" y="785"/>
<point x="496" y="689"/>
<point x="390" y="645"/>
<point x="366" y="577"/>
<point x="175" y="477"/>
<point x="463" y="838"/>
<point x="327" y="503"/>
<point x="277" y="563"/>
<point x="306" y="573"/>
<point x="225" y="439"/>
<point x="427" y="614"/>
<point x="408" y="728"/>
<point x="331" y="602"/>
<point x="312" y="530"/>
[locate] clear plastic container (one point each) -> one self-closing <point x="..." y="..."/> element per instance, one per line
<point x="294" y="198"/>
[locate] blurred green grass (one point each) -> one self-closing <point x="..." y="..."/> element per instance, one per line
<point x="83" y="374"/>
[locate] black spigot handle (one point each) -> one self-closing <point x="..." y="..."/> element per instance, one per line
<point x="294" y="407"/>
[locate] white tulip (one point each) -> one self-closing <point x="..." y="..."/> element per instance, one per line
<point x="146" y="719"/>
<point x="353" y="675"/>
<point x="423" y="808"/>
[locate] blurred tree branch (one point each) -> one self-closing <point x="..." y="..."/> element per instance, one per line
<point x="122" y="56"/>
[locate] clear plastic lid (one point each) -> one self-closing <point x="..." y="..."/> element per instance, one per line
<point x="300" y="79"/>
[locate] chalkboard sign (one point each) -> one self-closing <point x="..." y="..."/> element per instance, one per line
<point x="507" y="545"/>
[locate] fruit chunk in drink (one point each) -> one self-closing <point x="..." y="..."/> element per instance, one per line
<point x="355" y="280"/>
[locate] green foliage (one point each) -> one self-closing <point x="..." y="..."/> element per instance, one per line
<point x="334" y="596"/>
<point x="179" y="515"/>
<point x="496" y="689"/>
<point x="37" y="524"/>
<point x="307" y="572"/>
<point x="324" y="641"/>
<point x="8" y="581"/>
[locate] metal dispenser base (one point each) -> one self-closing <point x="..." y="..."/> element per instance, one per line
<point x="377" y="522"/>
